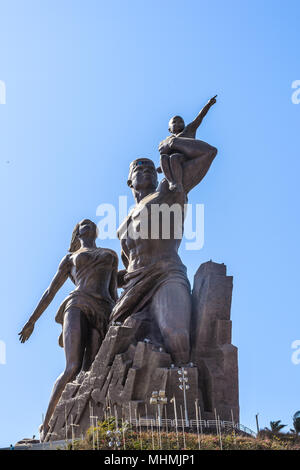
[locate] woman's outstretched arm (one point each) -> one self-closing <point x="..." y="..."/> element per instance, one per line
<point x="56" y="283"/>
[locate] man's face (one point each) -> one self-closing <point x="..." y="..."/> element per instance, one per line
<point x="144" y="176"/>
<point x="176" y="125"/>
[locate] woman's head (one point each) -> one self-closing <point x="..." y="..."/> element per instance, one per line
<point x="84" y="229"/>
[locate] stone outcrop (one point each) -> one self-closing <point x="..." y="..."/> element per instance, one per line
<point x="212" y="351"/>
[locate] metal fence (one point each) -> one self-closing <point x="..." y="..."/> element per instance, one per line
<point x="192" y="423"/>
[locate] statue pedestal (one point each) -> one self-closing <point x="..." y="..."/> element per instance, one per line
<point x="126" y="371"/>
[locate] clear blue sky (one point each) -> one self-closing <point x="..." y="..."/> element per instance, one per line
<point x="91" y="86"/>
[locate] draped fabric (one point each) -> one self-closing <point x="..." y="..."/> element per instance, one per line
<point x="95" y="308"/>
<point x="142" y="284"/>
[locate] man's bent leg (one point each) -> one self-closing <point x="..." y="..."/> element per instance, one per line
<point x="171" y="307"/>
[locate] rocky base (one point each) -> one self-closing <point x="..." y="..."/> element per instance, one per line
<point x="126" y="371"/>
<point x="122" y="377"/>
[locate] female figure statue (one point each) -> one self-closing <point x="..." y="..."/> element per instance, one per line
<point x="84" y="314"/>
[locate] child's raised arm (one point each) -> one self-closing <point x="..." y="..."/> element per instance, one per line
<point x="193" y="126"/>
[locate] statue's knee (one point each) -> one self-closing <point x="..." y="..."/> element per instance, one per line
<point x="72" y="370"/>
<point x="213" y="152"/>
<point x="176" y="159"/>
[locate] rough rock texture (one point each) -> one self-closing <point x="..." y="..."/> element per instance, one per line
<point x="126" y="371"/>
<point x="212" y="351"/>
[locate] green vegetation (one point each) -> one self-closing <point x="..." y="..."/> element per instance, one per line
<point x="106" y="437"/>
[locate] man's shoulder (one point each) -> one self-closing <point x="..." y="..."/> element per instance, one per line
<point x="163" y="187"/>
<point x="165" y="196"/>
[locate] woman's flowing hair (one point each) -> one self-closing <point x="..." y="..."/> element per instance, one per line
<point x="75" y="242"/>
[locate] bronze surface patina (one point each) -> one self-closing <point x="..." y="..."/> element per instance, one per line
<point x="158" y="331"/>
<point x="84" y="314"/>
<point x="170" y="159"/>
<point x="156" y="287"/>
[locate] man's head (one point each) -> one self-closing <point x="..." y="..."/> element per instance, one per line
<point x="142" y="175"/>
<point x="176" y="125"/>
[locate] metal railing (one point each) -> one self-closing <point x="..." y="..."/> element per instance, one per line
<point x="193" y="423"/>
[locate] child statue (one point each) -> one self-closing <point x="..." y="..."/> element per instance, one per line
<point x="171" y="163"/>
